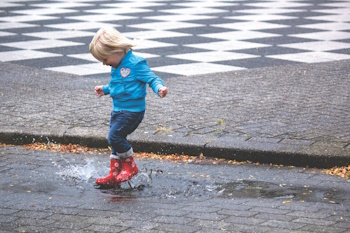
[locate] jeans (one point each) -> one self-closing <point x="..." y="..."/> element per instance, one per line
<point x="121" y="124"/>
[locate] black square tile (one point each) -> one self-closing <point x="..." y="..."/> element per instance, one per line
<point x="255" y="62"/>
<point x="51" y="62"/>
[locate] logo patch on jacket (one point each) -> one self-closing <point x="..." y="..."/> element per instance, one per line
<point x="124" y="72"/>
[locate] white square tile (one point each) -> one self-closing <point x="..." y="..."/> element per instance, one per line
<point x="86" y="69"/>
<point x="212" y="56"/>
<point x="7" y="34"/>
<point x="80" y="26"/>
<point x="154" y="34"/>
<point x="239" y="35"/>
<point x="136" y="4"/>
<point x="229" y="1"/>
<point x="165" y="25"/>
<point x="261" y="17"/>
<point x="311" y="57"/>
<point x="250" y="26"/>
<point x="205" y="4"/>
<point x="332" y="18"/>
<point x="22" y="1"/>
<point x="54" y="5"/>
<point x="195" y="69"/>
<point x="268" y="11"/>
<point x="327" y="26"/>
<point x="41" y="44"/>
<point x="329" y="35"/>
<point x="100" y="17"/>
<point x="180" y="17"/>
<point x="279" y="4"/>
<point x="60" y="34"/>
<point x="27" y="18"/>
<point x="228" y="45"/>
<point x="345" y="4"/>
<point x="148" y="44"/>
<point x="75" y="0"/>
<point x="84" y="56"/>
<point x="318" y="46"/>
<point x="145" y="1"/>
<point x="11" y="25"/>
<point x="194" y="11"/>
<point x="47" y="11"/>
<point x="10" y="4"/>
<point x="120" y="11"/>
<point x="145" y="55"/>
<point x="25" y="55"/>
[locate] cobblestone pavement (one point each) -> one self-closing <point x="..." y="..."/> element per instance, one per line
<point x="44" y="191"/>
<point x="295" y="115"/>
<point x="285" y="112"/>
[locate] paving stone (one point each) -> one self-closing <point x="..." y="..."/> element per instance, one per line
<point x="317" y="228"/>
<point x="206" y="216"/>
<point x="321" y="222"/>
<point x="105" y="228"/>
<point x="177" y="228"/>
<point x="284" y="224"/>
<point x="172" y="220"/>
<point x="244" y="220"/>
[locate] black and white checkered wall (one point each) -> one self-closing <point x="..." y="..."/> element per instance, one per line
<point x="176" y="37"/>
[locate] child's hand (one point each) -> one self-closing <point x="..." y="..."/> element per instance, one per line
<point x="162" y="91"/>
<point x="99" y="91"/>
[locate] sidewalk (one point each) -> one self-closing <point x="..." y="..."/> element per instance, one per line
<point x="291" y="115"/>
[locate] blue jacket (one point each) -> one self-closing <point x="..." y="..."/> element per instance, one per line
<point x="128" y="83"/>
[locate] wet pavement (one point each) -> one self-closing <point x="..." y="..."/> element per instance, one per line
<point x="287" y="106"/>
<point x="43" y="191"/>
<point x="265" y="115"/>
<point x="244" y="83"/>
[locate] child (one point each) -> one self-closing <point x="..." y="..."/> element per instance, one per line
<point x="129" y="76"/>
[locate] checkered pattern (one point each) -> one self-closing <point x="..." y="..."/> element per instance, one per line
<point x="176" y="37"/>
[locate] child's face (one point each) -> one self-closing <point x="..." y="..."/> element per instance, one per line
<point x="113" y="60"/>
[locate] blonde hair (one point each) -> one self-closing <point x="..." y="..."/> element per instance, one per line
<point x="108" y="41"/>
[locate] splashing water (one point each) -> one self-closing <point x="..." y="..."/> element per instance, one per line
<point x="91" y="169"/>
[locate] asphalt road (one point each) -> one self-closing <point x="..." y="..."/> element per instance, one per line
<point x="43" y="191"/>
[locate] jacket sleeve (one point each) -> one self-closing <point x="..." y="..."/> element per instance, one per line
<point x="105" y="89"/>
<point x="146" y="75"/>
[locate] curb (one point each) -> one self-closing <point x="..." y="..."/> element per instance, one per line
<point x="248" y="151"/>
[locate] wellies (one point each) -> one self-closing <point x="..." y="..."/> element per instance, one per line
<point x="129" y="169"/>
<point x="110" y="179"/>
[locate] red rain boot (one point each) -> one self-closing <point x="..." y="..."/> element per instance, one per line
<point x="110" y="178"/>
<point x="129" y="169"/>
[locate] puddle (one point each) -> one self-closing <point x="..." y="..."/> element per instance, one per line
<point x="156" y="183"/>
<point x="259" y="189"/>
